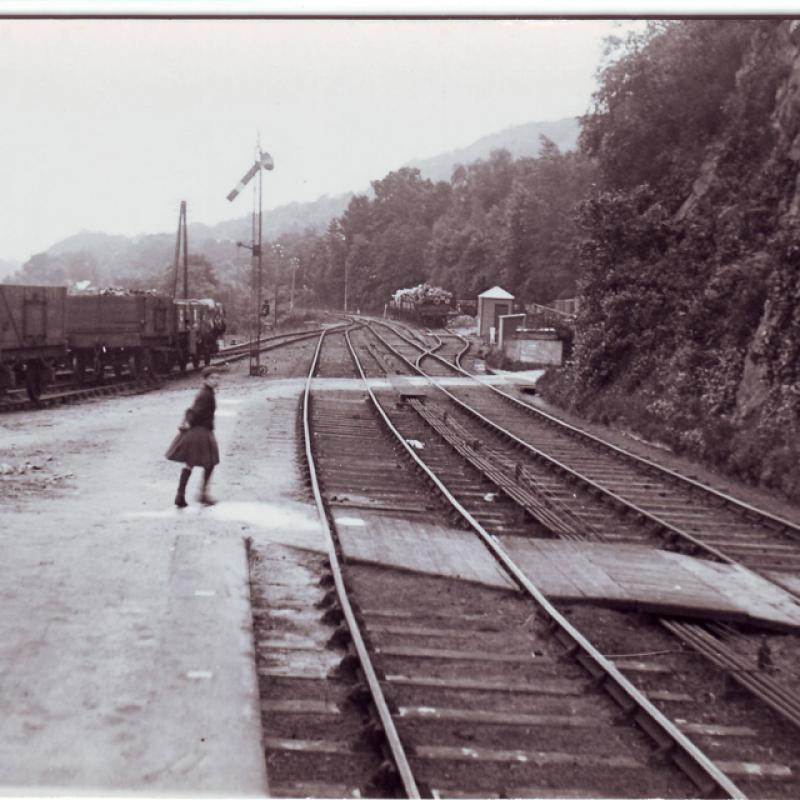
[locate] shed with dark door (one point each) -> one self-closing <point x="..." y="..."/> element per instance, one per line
<point x="493" y="304"/>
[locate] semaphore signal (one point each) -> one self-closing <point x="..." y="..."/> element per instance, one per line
<point x="263" y="162"/>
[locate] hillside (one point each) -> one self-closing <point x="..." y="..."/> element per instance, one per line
<point x="521" y="141"/>
<point x="689" y="330"/>
<point x="287" y="219"/>
<point x="107" y="259"/>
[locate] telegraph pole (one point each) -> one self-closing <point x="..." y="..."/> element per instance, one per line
<point x="185" y="253"/>
<point x="181" y="238"/>
<point x="291" y="295"/>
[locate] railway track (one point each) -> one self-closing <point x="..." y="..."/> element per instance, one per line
<point x="489" y="693"/>
<point x="439" y="346"/>
<point x="521" y="489"/>
<point x="676" y="511"/>
<point x="332" y="733"/>
<point x="68" y="391"/>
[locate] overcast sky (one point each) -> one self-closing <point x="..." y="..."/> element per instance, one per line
<point x="108" y="124"/>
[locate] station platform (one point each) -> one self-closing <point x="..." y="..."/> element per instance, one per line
<point x="126" y="651"/>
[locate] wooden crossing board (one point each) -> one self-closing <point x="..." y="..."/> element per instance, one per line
<point x="417" y="546"/>
<point x="634" y="577"/>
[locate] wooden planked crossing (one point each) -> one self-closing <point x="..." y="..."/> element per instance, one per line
<point x="632" y="577"/>
<point x="417" y="546"/>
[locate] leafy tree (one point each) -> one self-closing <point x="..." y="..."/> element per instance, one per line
<point x="202" y="277"/>
<point x="662" y="100"/>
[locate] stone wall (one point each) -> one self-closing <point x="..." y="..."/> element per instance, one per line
<point x="535" y="351"/>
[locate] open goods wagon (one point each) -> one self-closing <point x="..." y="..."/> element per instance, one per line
<point x="32" y="334"/>
<point x="144" y="332"/>
<point x="42" y="328"/>
<point x="137" y="331"/>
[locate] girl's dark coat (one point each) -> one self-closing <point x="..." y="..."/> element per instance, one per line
<point x="196" y="445"/>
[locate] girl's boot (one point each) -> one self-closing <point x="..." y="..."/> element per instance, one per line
<point x="205" y="498"/>
<point x="180" y="498"/>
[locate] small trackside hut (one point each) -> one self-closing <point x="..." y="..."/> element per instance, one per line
<point x="493" y="304"/>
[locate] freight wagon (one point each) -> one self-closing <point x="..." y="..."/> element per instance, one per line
<point x="42" y="327"/>
<point x="425" y="304"/>
<point x="136" y="331"/>
<point x="141" y="332"/>
<point x="32" y="335"/>
<point x="201" y="324"/>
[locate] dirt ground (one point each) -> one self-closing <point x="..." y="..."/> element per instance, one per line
<point x="106" y="683"/>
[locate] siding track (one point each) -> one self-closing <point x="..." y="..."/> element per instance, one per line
<point x="68" y="391"/>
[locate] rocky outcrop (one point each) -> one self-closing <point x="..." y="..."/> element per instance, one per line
<point x="787" y="106"/>
<point x="753" y="388"/>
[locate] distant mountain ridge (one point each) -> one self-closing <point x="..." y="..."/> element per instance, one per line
<point x="291" y="218"/>
<point x="522" y="141"/>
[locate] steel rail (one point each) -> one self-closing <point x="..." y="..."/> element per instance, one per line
<point x="566" y="470"/>
<point x="432" y="350"/>
<point x="392" y="737"/>
<point x="539" y="502"/>
<point x="788" y="526"/>
<point x="461" y="353"/>
<point x="237" y="351"/>
<point x="780" y="699"/>
<point x="696" y="764"/>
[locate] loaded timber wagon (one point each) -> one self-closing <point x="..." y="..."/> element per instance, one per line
<point x="425" y="304"/>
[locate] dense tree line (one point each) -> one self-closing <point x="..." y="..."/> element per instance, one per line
<point x="500" y="220"/>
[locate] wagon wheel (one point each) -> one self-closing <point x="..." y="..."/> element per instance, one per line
<point x="161" y="362"/>
<point x="6" y="379"/>
<point x="33" y="380"/>
<point x="146" y="361"/>
<point x="79" y="367"/>
<point x="170" y="360"/>
<point x="99" y="368"/>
